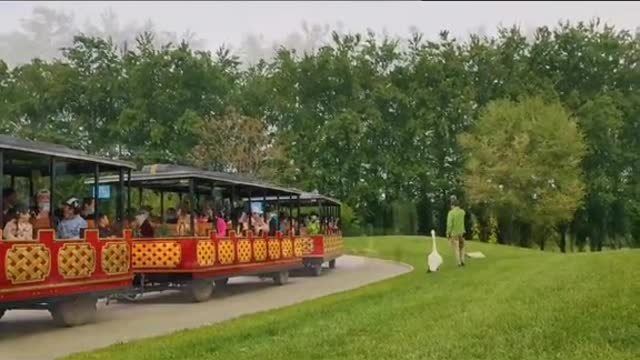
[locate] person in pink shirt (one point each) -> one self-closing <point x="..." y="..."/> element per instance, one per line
<point x="221" y="225"/>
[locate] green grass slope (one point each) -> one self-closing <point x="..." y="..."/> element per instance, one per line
<point x="515" y="304"/>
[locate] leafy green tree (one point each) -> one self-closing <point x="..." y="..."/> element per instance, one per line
<point x="524" y="161"/>
<point x="232" y="143"/>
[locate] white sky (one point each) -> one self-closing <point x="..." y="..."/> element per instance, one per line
<point x="230" y="22"/>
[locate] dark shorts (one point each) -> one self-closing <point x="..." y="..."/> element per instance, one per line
<point x="459" y="241"/>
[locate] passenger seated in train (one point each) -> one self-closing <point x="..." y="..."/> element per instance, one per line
<point x="273" y="224"/>
<point x="71" y="224"/>
<point x="42" y="205"/>
<point x="314" y="226"/>
<point x="202" y="217"/>
<point x="221" y="225"/>
<point x="260" y="227"/>
<point x="243" y="223"/>
<point x="18" y="226"/>
<point x="171" y="216"/>
<point x="88" y="208"/>
<point x="333" y="225"/>
<point x="104" y="227"/>
<point x="284" y="223"/>
<point x="143" y="225"/>
<point x="210" y="215"/>
<point x="304" y="229"/>
<point x="9" y="200"/>
<point x="183" y="227"/>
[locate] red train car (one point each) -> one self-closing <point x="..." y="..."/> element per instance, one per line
<point x="188" y="249"/>
<point x="318" y="220"/>
<point x="40" y="270"/>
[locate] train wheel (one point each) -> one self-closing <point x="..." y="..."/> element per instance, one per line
<point x="316" y="269"/>
<point x="200" y="290"/>
<point x="221" y="283"/>
<point x="281" y="278"/>
<point x="74" y="312"/>
<point x="332" y="264"/>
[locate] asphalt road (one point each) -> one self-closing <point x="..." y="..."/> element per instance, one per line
<point x="30" y="334"/>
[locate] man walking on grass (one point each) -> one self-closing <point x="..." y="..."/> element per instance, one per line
<point x="455" y="230"/>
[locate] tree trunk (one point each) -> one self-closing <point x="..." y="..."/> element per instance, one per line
<point x="572" y="242"/>
<point x="562" y="229"/>
<point x="442" y="218"/>
<point x="525" y="235"/>
<point x="425" y="218"/>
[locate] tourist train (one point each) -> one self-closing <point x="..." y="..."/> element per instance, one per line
<point x="87" y="229"/>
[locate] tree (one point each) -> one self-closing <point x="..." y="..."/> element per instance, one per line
<point x="232" y="143"/>
<point x="524" y="163"/>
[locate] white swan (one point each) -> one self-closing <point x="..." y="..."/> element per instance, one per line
<point x="434" y="260"/>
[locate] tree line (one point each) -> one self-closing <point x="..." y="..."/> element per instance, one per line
<point x="377" y="122"/>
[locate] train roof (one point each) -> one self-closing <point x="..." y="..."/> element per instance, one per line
<point x="43" y="149"/>
<point x="306" y="198"/>
<point x="169" y="177"/>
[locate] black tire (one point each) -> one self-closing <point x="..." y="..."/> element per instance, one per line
<point x="332" y="264"/>
<point x="281" y="278"/>
<point x="74" y="312"/>
<point x="2" y="311"/>
<point x="200" y="290"/>
<point x="221" y="283"/>
<point x="316" y="269"/>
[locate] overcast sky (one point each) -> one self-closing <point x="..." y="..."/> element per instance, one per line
<point x="230" y="22"/>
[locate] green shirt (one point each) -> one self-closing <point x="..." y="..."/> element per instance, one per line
<point x="314" y="228"/>
<point x="455" y="222"/>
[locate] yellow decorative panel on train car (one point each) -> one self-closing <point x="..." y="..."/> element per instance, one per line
<point x="244" y="251"/>
<point x="298" y="247"/>
<point x="226" y="252"/>
<point x="76" y="260"/>
<point x="332" y="244"/>
<point x="274" y="249"/>
<point x="27" y="263"/>
<point x="307" y="246"/>
<point x="156" y="254"/>
<point x="260" y="250"/>
<point x="115" y="258"/>
<point x="206" y="253"/>
<point x="287" y="248"/>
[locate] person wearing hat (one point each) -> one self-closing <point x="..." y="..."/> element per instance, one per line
<point x="72" y="223"/>
<point x="456" y="229"/>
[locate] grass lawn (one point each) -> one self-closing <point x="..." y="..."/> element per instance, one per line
<point x="515" y="304"/>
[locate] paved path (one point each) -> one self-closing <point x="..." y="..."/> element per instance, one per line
<point x="30" y="334"/>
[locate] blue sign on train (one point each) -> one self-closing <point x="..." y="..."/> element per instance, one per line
<point x="257" y="207"/>
<point x="104" y="192"/>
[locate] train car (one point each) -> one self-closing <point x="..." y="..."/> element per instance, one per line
<point x="320" y="223"/>
<point x="190" y="255"/>
<point x="39" y="270"/>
